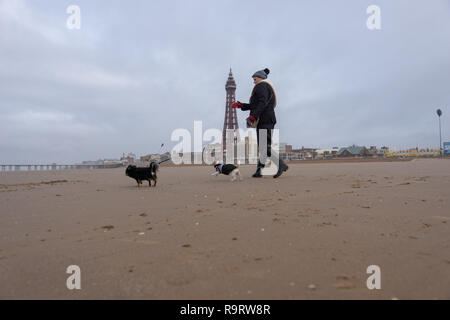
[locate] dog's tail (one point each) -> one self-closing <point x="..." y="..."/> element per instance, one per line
<point x="153" y="166"/>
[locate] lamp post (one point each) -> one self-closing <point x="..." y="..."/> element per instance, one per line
<point x="439" y="113"/>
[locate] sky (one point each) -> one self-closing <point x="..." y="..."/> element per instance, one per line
<point x="137" y="70"/>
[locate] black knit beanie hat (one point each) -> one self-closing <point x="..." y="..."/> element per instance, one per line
<point x="261" y="73"/>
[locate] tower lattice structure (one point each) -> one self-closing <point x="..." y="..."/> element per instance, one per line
<point x="231" y="121"/>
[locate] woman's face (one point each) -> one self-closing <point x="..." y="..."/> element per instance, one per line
<point x="257" y="80"/>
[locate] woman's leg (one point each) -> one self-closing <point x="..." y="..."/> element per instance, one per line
<point x="264" y="139"/>
<point x="260" y="164"/>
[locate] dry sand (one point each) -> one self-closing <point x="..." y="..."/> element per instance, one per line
<point x="310" y="234"/>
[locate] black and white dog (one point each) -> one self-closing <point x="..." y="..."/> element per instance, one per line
<point x="227" y="169"/>
<point x="140" y="174"/>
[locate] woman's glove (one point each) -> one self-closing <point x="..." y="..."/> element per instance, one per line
<point x="250" y="121"/>
<point x="237" y="104"/>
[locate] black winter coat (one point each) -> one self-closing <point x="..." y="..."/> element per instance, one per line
<point x="261" y="106"/>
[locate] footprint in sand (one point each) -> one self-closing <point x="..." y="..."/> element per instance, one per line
<point x="345" y="282"/>
<point x="314" y="211"/>
<point x="323" y="224"/>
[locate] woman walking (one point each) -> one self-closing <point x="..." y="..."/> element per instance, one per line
<point x="262" y="105"/>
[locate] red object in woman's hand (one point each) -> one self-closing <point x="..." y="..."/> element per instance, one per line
<point x="250" y="121"/>
<point x="236" y="104"/>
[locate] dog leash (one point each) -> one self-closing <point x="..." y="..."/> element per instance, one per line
<point x="164" y="160"/>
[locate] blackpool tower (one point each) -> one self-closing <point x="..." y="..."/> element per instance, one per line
<point x="230" y="135"/>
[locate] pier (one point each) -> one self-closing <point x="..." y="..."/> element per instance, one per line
<point x="54" y="167"/>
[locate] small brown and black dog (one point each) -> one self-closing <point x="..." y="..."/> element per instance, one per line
<point x="227" y="169"/>
<point x="140" y="174"/>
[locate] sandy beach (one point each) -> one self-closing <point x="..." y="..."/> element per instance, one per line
<point x="311" y="234"/>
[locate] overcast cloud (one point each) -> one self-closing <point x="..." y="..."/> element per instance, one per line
<point x="137" y="70"/>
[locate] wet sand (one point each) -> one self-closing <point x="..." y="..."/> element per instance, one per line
<point x="310" y="234"/>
